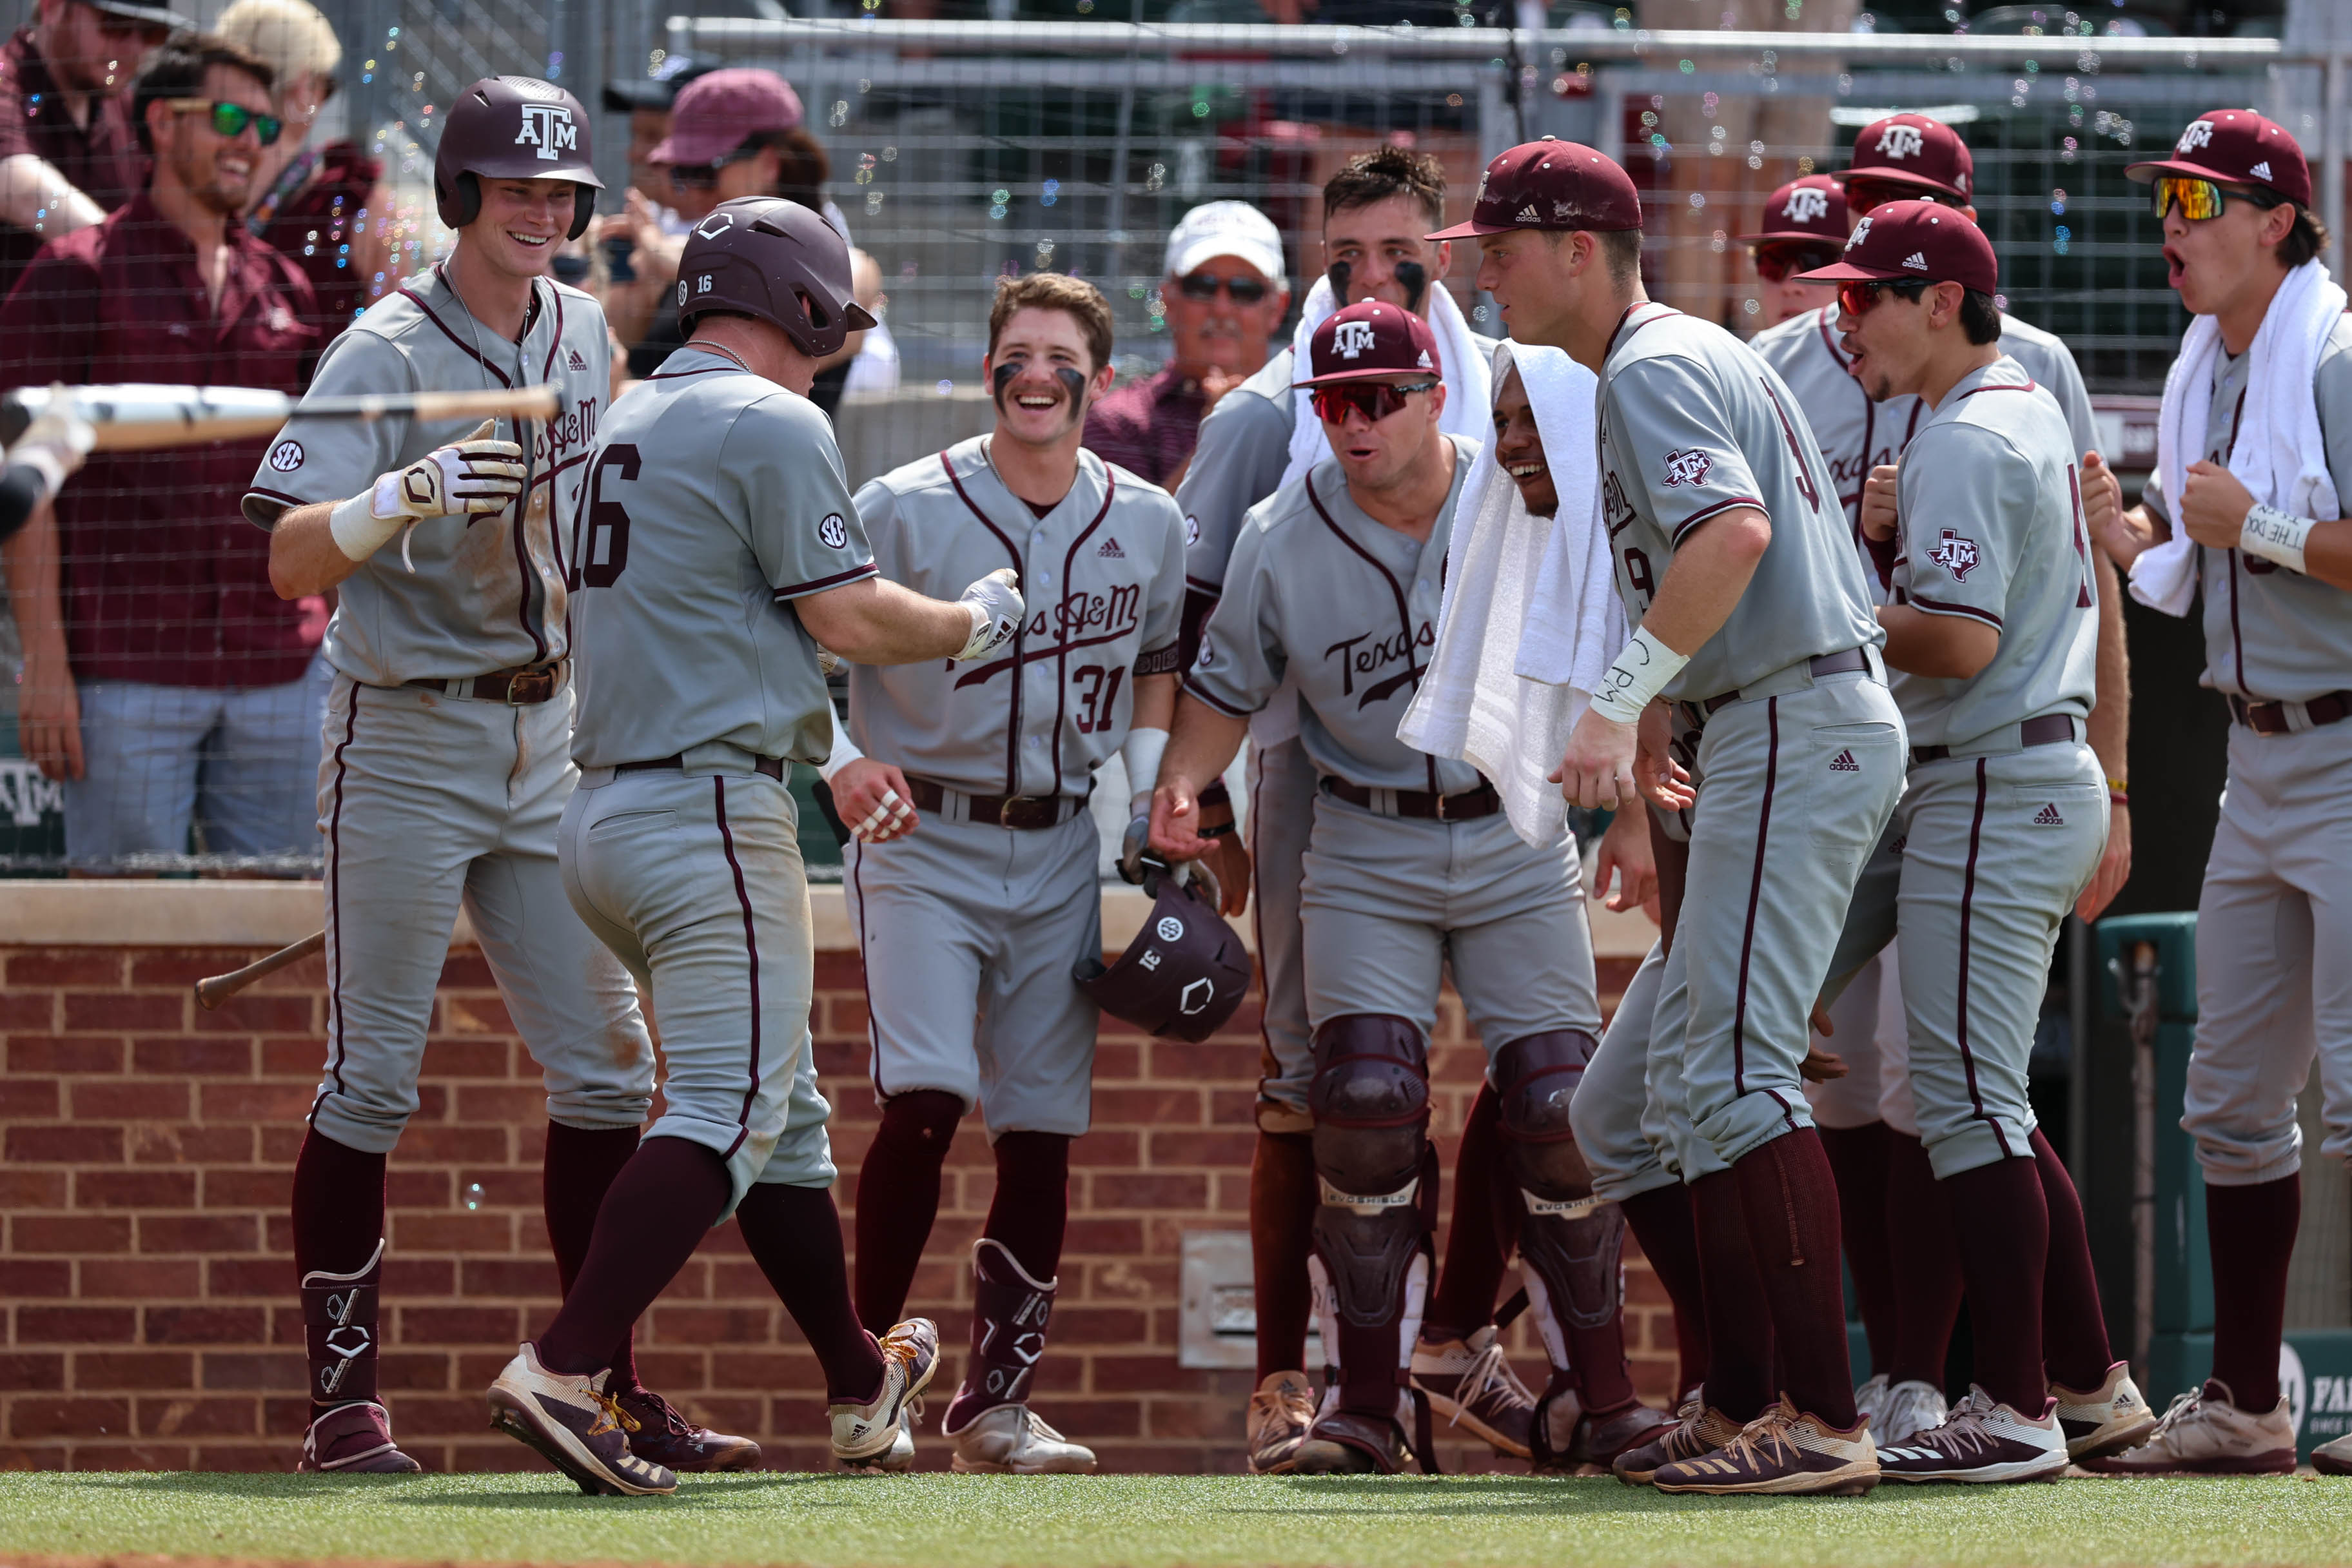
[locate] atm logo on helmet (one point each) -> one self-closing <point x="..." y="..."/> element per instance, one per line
<point x="548" y="128"/>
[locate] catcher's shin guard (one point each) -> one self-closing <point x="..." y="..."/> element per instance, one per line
<point x="339" y="1325"/>
<point x="1010" y="1310"/>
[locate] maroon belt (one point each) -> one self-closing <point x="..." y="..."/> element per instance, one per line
<point x="523" y="686"/>
<point x="2271" y="718"/>
<point x="1028" y="811"/>
<point x="2050" y="730"/>
<point x="1845" y="663"/>
<point x="774" y="767"/>
<point x="1468" y="806"/>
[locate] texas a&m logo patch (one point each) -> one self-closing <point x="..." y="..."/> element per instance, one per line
<point x="1955" y="553"/>
<point x="1688" y="468"/>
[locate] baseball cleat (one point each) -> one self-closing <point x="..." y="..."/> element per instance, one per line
<point x="1870" y="1399"/>
<point x="1352" y="1443"/>
<point x="1471" y="1385"/>
<point x="2334" y="1458"/>
<point x="1592" y="1443"/>
<point x="1980" y="1440"/>
<point x="1698" y="1428"/>
<point x="2106" y="1420"/>
<point x="1280" y="1412"/>
<point x="666" y="1438"/>
<point x="355" y="1440"/>
<point x="2205" y="1434"/>
<point x="1010" y="1440"/>
<point x="1911" y="1408"/>
<point x="1781" y="1453"/>
<point x="574" y="1425"/>
<point x="876" y="1436"/>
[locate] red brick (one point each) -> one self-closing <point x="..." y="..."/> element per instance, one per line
<point x="708" y="1325"/>
<point x="489" y="1231"/>
<point x="195" y="1055"/>
<point x="28" y="1011"/>
<point x="131" y="1099"/>
<point x="227" y="1371"/>
<point x="478" y="1013"/>
<point x="1148" y="1107"/>
<point x="420" y="1279"/>
<point x="253" y="1013"/>
<point x="511" y="1187"/>
<point x="26" y="1371"/>
<point x="50" y="1417"/>
<point x="76" y="1325"/>
<point x="135" y="1189"/>
<point x="65" y="1145"/>
<point x="28" y="1099"/>
<point x="153" y="1144"/>
<point x="1091" y="1419"/>
<point x="50" y="1276"/>
<point x="1192" y="1150"/>
<point x="428" y="1370"/>
<point x="244" y="1189"/>
<point x="74" y="1234"/>
<point x="98" y="1012"/>
<point x="466" y="970"/>
<point x="36" y="1053"/>
<point x="532" y="1278"/>
<point x="1148" y="1189"/>
<point x="455" y="1326"/>
<point x="66" y="967"/>
<point x="1143" y="1374"/>
<point x="31" y="1189"/>
<point x="301" y="1056"/>
<point x="256" y="1101"/>
<point x="454" y="1145"/>
<point x="199" y="1233"/>
<point x="184" y="1417"/>
<point x="471" y="1057"/>
<point x="231" y="1278"/>
<point x="205" y="1325"/>
<point x="144" y="1279"/>
<point x="1102" y="1148"/>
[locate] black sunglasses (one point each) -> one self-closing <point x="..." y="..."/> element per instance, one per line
<point x="703" y="176"/>
<point x="230" y="119"/>
<point x="1204" y="287"/>
<point x="1774" y="263"/>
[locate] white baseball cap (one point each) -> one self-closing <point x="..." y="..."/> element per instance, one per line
<point x="1226" y="228"/>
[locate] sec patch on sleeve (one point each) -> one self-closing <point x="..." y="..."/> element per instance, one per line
<point x="1688" y="468"/>
<point x="832" y="533"/>
<point x="285" y="456"/>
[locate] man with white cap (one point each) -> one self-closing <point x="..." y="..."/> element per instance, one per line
<point x="1224" y="296"/>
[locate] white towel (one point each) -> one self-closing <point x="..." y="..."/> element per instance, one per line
<point x="2278" y="456"/>
<point x="1469" y="407"/>
<point x="1531" y="619"/>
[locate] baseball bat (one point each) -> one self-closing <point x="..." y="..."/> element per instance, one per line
<point x="132" y="416"/>
<point x="219" y="988"/>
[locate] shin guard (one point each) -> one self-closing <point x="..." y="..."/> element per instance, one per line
<point x="1010" y="1310"/>
<point x="339" y="1328"/>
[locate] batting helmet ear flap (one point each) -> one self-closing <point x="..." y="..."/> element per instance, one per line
<point x="584" y="211"/>
<point x="460" y="202"/>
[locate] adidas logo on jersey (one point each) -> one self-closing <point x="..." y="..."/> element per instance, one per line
<point x="574" y="361"/>
<point x="2049" y="816"/>
<point x="1110" y="551"/>
<point x="1917" y="259"/>
<point x="1843" y="762"/>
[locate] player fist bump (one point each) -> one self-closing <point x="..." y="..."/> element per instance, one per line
<point x="468" y="477"/>
<point x="997" y="612"/>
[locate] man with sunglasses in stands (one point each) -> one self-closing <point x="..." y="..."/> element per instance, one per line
<point x="1333" y="592"/>
<point x="2247" y="508"/>
<point x="1224" y="297"/>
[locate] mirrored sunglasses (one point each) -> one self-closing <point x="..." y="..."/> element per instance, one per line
<point x="230" y="119"/>
<point x="2200" y="199"/>
<point x="1857" y="297"/>
<point x="1375" y="400"/>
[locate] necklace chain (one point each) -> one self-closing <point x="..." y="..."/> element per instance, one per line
<point x="711" y="348"/>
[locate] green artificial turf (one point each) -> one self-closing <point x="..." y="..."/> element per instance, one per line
<point x="951" y="1522"/>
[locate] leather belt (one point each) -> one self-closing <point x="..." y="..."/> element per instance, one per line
<point x="1845" y="663"/>
<point x="774" y="767"/>
<point x="1467" y="806"/>
<point x="2275" y="718"/>
<point x="2050" y="730"/>
<point x="520" y="687"/>
<point x="1023" y="811"/>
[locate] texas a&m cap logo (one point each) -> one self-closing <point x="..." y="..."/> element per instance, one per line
<point x="2236" y="147"/>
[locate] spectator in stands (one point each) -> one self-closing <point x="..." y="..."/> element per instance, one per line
<point x="647" y="101"/>
<point x="875" y="367"/>
<point x="68" y="156"/>
<point x="165" y="681"/>
<point x="326" y="208"/>
<point x="1224" y="296"/>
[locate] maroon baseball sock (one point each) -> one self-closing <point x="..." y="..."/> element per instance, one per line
<point x="2250" y="1231"/>
<point x="655" y="1215"/>
<point x="2075" y="1345"/>
<point x="1662" y="1222"/>
<point x="1926" y="1264"/>
<point x="794" y="1235"/>
<point x="899" y="1197"/>
<point x="2003" y="1225"/>
<point x="1464" y="1301"/>
<point x="1032" y="1205"/>
<point x="1283" y="1196"/>
<point x="1858" y="1157"/>
<point x="1739" y="1323"/>
<point x="338" y="1225"/>
<point x="578" y="1165"/>
<point x="1790" y="1201"/>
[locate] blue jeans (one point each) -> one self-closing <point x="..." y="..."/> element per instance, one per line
<point x="239" y="764"/>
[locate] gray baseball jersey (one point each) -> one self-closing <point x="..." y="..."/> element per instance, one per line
<point x="1103" y="574"/>
<point x="1991" y="502"/>
<point x="715" y="499"/>
<point x="487" y="593"/>
<point x="2273" y="635"/>
<point x="1318" y="590"/>
<point x="1694" y="424"/>
<point x="1244" y="447"/>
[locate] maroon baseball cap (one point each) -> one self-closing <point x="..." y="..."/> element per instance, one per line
<point x="2238" y="147"/>
<point x="1550" y="184"/>
<point x="715" y="114"/>
<point x="1370" y="342"/>
<point x="1916" y="241"/>
<point x="1913" y="150"/>
<point x="1808" y="208"/>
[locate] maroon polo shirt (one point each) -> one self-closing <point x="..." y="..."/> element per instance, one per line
<point x="1150" y="427"/>
<point x="317" y="226"/>
<point x="103" y="163"/>
<point x="165" y="581"/>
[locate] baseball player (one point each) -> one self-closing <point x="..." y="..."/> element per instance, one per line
<point x="2245" y="508"/>
<point x="972" y="872"/>
<point x="1333" y="591"/>
<point x="1805" y="227"/>
<point x="721" y="549"/>
<point x="446" y="741"/>
<point x="1992" y="625"/>
<point x="1376" y="210"/>
<point x="1733" y="563"/>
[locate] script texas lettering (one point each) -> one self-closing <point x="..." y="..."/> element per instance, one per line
<point x="1366" y="655"/>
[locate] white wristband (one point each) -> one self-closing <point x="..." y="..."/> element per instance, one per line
<point x="845" y="751"/>
<point x="1142" y="751"/>
<point x="44" y="461"/>
<point x="1640" y="673"/>
<point x="2274" y="536"/>
<point x="359" y="532"/>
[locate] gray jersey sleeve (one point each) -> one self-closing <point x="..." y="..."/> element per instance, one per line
<point x="317" y="460"/>
<point x="1245" y="445"/>
<point x="1243" y="659"/>
<point x="1668" y="420"/>
<point x="805" y="531"/>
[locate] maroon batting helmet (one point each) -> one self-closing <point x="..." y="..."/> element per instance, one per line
<point x="1182" y="975"/>
<point x="513" y="128"/>
<point x="775" y="260"/>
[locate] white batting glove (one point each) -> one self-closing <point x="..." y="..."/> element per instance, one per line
<point x="472" y="476"/>
<point x="54" y="446"/>
<point x="997" y="612"/>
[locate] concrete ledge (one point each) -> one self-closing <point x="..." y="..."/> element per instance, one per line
<point x="128" y="913"/>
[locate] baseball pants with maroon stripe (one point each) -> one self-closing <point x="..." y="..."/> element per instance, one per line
<point x="428" y="802"/>
<point x="694" y="880"/>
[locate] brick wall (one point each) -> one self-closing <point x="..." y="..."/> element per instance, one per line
<point x="147" y="1313"/>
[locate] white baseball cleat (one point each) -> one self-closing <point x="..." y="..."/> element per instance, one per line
<point x="574" y="1425"/>
<point x="1910" y="1408"/>
<point x="1010" y="1440"/>
<point x="2205" y="1434"/>
<point x="878" y="1435"/>
<point x="2106" y="1420"/>
<point x="2334" y="1458"/>
<point x="1980" y="1440"/>
<point x="1871" y="1398"/>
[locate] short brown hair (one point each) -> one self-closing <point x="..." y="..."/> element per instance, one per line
<point x="1074" y="296"/>
<point x="2306" y="241"/>
<point x="178" y="68"/>
<point x="1384" y="172"/>
<point x="1620" y="248"/>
